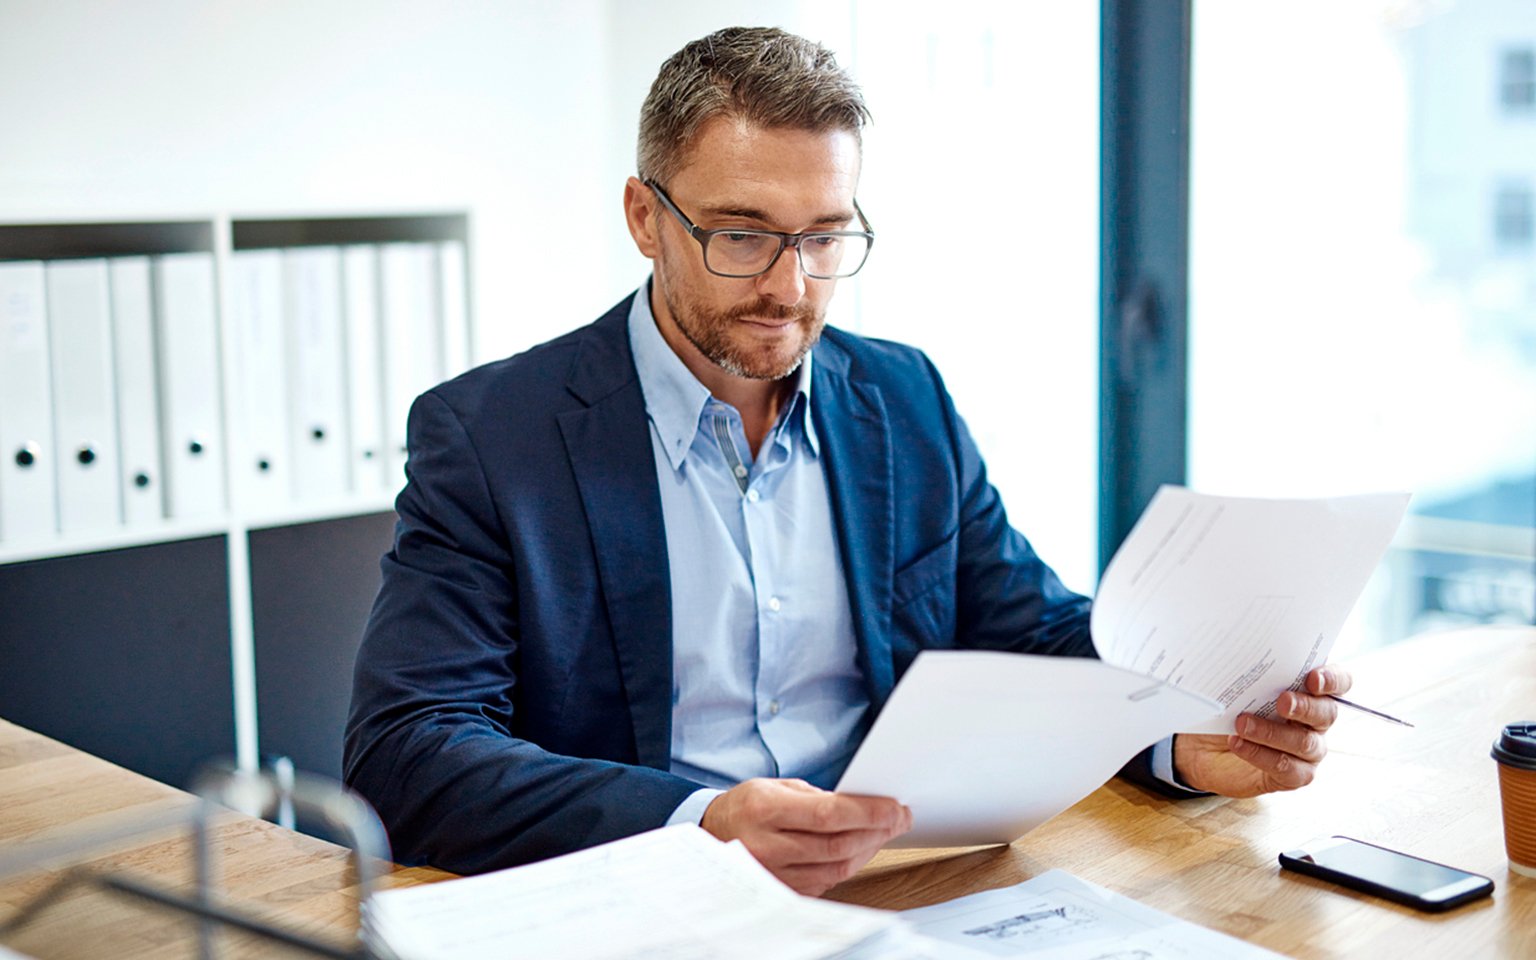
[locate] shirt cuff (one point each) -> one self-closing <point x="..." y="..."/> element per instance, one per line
<point x="691" y="810"/>
<point x="1162" y="768"/>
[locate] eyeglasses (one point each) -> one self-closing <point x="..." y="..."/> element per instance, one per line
<point x="737" y="253"/>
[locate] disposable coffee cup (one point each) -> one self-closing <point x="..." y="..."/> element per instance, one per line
<point x="1515" y="751"/>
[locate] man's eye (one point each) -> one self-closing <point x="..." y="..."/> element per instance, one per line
<point x="822" y="240"/>
<point x="739" y="237"/>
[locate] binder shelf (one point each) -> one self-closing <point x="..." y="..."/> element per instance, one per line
<point x="179" y="381"/>
<point x="165" y="380"/>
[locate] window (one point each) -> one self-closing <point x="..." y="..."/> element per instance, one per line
<point x="981" y="179"/>
<point x="1351" y="326"/>
<point x="1517" y="80"/>
<point x="1514" y="219"/>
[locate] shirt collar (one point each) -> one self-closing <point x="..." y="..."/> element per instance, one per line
<point x="674" y="397"/>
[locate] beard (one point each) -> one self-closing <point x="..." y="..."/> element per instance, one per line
<point x="718" y="336"/>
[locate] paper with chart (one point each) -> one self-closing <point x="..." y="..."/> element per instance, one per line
<point x="1212" y="606"/>
<point x="1234" y="598"/>
<point x="1057" y="916"/>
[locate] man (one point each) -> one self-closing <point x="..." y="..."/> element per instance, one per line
<point x="668" y="566"/>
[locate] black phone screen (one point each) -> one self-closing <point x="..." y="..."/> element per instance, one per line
<point x="1386" y="867"/>
<point x="1387" y="873"/>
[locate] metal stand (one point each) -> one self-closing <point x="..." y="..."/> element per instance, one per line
<point x="258" y="793"/>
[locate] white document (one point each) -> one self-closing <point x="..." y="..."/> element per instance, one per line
<point x="365" y="396"/>
<point x="986" y="746"/>
<point x="1212" y="606"/>
<point x="84" y="396"/>
<point x="1237" y="598"/>
<point x="453" y="300"/>
<point x="412" y="338"/>
<point x="676" y="892"/>
<point x="317" y="391"/>
<point x="190" y="406"/>
<point x="262" y="461"/>
<point x="138" y="421"/>
<point x="1057" y="916"/>
<point x="28" y="497"/>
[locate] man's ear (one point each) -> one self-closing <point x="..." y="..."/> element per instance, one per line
<point x="640" y="215"/>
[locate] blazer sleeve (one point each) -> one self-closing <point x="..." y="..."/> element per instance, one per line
<point x="430" y="737"/>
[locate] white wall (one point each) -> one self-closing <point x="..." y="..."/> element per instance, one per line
<point x="180" y="108"/>
<point x="524" y="113"/>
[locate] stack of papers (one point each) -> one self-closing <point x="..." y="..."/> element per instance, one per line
<point x="1212" y="607"/>
<point x="679" y="893"/>
<point x="676" y="892"/>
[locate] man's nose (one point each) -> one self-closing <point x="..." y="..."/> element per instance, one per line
<point x="785" y="281"/>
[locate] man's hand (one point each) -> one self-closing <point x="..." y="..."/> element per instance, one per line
<point x="1281" y="753"/>
<point x="808" y="838"/>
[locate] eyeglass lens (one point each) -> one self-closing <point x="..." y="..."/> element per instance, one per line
<point x="745" y="253"/>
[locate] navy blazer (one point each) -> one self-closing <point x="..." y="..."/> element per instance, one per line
<point x="513" y="693"/>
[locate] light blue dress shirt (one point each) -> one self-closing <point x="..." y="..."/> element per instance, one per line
<point x="766" y="681"/>
<point x="765" y="678"/>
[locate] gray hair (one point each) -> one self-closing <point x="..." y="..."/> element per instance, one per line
<point x="760" y="75"/>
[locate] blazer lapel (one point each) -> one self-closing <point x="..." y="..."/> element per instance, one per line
<point x="856" y="442"/>
<point x="609" y="446"/>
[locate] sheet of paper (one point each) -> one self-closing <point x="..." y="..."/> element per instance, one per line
<point x="1237" y="598"/>
<point x="986" y="746"/>
<point x="675" y="892"/>
<point x="1057" y="916"/>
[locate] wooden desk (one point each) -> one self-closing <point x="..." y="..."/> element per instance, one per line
<point x="1431" y="791"/>
<point x="50" y="791"/>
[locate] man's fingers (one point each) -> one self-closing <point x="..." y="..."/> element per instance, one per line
<point x="1301" y="742"/>
<point x="1329" y="679"/>
<point x="1286" y="771"/>
<point x="822" y="812"/>
<point x="1319" y="713"/>
<point x="815" y="879"/>
<point x="793" y="848"/>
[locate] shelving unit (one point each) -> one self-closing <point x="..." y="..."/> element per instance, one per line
<point x="154" y="644"/>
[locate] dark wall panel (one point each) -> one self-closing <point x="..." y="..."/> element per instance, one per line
<point x="123" y="654"/>
<point x="312" y="587"/>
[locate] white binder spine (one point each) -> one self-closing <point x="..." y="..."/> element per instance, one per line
<point x="412" y="341"/>
<point x="317" y="395"/>
<point x="262" y="462"/>
<point x="453" y="297"/>
<point x="365" y="398"/>
<point x="28" y="497"/>
<point x="141" y="480"/>
<point x="190" y="403"/>
<point x="84" y="396"/>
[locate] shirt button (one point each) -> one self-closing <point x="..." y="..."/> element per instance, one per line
<point x="740" y="470"/>
<point x="774" y="604"/>
<point x="773" y="707"/>
<point x="753" y="496"/>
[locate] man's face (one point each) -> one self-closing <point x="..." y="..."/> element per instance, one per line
<point x="737" y="175"/>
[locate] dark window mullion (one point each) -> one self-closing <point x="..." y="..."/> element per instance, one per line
<point x="1144" y="257"/>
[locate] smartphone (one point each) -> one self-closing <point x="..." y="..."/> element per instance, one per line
<point x="1419" y="883"/>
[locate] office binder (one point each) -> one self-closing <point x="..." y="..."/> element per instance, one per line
<point x="191" y="412"/>
<point x="28" y="503"/>
<point x="140" y="481"/>
<point x="317" y="385"/>
<point x="365" y="398"/>
<point x="453" y="293"/>
<point x="261" y="459"/>
<point x="84" y="396"/>
<point x="412" y="342"/>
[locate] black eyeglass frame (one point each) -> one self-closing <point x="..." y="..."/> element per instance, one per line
<point x="703" y="237"/>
